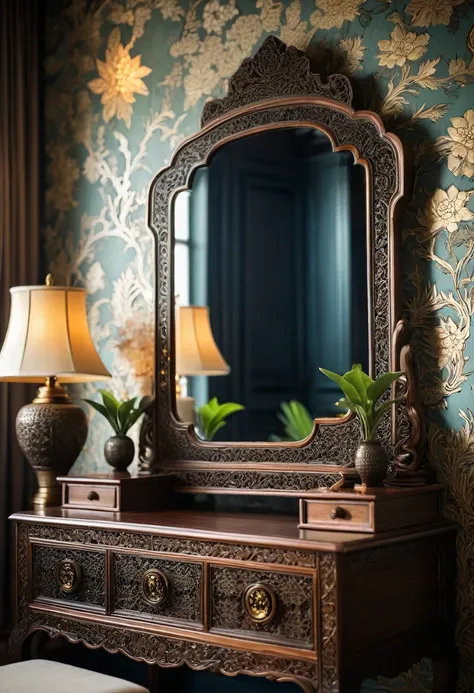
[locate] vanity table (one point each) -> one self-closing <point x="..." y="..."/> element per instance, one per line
<point x="239" y="594"/>
<point x="359" y="585"/>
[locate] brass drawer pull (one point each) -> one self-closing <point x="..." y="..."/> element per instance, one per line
<point x="93" y="495"/>
<point x="260" y="603"/>
<point x="154" y="586"/>
<point x="68" y="575"/>
<point x="337" y="513"/>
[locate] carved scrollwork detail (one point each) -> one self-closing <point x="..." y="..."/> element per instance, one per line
<point x="275" y="70"/>
<point x="171" y="652"/>
<point x="328" y="587"/>
<point x="232" y="609"/>
<point x="236" y="479"/>
<point x="69" y="574"/>
<point x="154" y="586"/>
<point x="174" y="545"/>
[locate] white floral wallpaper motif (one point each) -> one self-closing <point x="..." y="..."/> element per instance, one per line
<point x="126" y="81"/>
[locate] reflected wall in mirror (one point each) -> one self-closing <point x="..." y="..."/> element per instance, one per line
<point x="271" y="247"/>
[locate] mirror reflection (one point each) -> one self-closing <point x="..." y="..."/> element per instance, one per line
<point x="270" y="279"/>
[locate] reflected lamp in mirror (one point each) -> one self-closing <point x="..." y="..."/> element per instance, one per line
<point x="48" y="341"/>
<point x="196" y="354"/>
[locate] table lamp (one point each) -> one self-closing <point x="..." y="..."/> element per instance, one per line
<point x="196" y="353"/>
<point x="48" y="341"/>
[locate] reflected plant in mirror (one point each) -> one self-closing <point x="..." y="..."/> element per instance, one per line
<point x="296" y="420"/>
<point x="212" y="416"/>
<point x="362" y="396"/>
<point x="271" y="251"/>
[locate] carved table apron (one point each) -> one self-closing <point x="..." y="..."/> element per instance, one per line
<point x="237" y="593"/>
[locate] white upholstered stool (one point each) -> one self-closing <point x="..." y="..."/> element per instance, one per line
<point x="53" y="677"/>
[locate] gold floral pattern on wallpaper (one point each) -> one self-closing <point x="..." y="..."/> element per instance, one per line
<point x="126" y="81"/>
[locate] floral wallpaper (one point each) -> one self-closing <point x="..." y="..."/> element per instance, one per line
<point x="125" y="83"/>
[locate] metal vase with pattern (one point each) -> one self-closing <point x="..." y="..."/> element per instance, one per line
<point x="371" y="463"/>
<point x="51" y="432"/>
<point x="119" y="452"/>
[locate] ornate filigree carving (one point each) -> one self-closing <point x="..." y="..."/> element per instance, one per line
<point x="294" y="618"/>
<point x="275" y="70"/>
<point x="334" y="443"/>
<point x="328" y="606"/>
<point x="171" y="652"/>
<point x="88" y="584"/>
<point x="174" y="545"/>
<point x="179" y="599"/>
<point x="236" y="479"/>
<point x="146" y="444"/>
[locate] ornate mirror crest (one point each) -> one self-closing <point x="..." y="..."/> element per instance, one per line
<point x="272" y="90"/>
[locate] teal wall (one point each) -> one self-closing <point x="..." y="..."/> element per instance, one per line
<point x="126" y="81"/>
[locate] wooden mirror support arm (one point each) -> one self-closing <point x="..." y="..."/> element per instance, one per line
<point x="409" y="466"/>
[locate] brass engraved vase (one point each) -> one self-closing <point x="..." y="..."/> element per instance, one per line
<point x="51" y="432"/>
<point x="371" y="463"/>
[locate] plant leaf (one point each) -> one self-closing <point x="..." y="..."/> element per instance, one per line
<point x="112" y="406"/>
<point x="348" y="389"/>
<point x="132" y="419"/>
<point x="359" y="380"/>
<point x="104" y="411"/>
<point x="123" y="414"/>
<point x="376" y="390"/>
<point x="213" y="430"/>
<point x="214" y="404"/>
<point x="206" y="414"/>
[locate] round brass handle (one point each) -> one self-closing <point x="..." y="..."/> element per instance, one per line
<point x="260" y="603"/>
<point x="154" y="586"/>
<point x="92" y="495"/>
<point x="337" y="513"/>
<point x="68" y="574"/>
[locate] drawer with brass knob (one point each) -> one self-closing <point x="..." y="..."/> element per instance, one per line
<point x="157" y="589"/>
<point x="376" y="510"/>
<point x="271" y="606"/>
<point x="69" y="575"/>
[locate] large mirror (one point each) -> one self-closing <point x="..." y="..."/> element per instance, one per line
<point x="271" y="249"/>
<point x="277" y="252"/>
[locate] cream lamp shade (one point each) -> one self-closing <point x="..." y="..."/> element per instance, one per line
<point x="196" y="351"/>
<point x="48" y="335"/>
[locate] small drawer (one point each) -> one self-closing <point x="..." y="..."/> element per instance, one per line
<point x="68" y="575"/>
<point x="377" y="510"/>
<point x="259" y="605"/>
<point x="355" y="516"/>
<point x="90" y="496"/>
<point x="157" y="589"/>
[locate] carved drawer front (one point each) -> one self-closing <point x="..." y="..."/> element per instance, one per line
<point x="157" y="589"/>
<point x="271" y="606"/>
<point x="69" y="575"/>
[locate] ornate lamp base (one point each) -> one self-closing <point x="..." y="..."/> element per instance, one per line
<point x="51" y="432"/>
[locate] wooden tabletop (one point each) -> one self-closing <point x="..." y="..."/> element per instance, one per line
<point x="259" y="529"/>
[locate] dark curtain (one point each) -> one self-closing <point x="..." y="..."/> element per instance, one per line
<point x="19" y="244"/>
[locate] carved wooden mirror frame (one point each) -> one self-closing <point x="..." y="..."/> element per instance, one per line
<point x="272" y="90"/>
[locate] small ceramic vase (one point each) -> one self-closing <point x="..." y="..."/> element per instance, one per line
<point x="371" y="463"/>
<point x="119" y="452"/>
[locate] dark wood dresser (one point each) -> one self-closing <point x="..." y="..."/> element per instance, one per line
<point x="239" y="593"/>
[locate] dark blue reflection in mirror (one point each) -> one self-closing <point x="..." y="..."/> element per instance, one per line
<point x="273" y="239"/>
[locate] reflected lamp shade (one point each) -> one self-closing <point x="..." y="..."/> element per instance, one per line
<point x="48" y="339"/>
<point x="196" y="351"/>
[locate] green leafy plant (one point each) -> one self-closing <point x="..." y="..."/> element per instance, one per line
<point x="297" y="421"/>
<point x="362" y="395"/>
<point x="120" y="415"/>
<point x="212" y="416"/>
